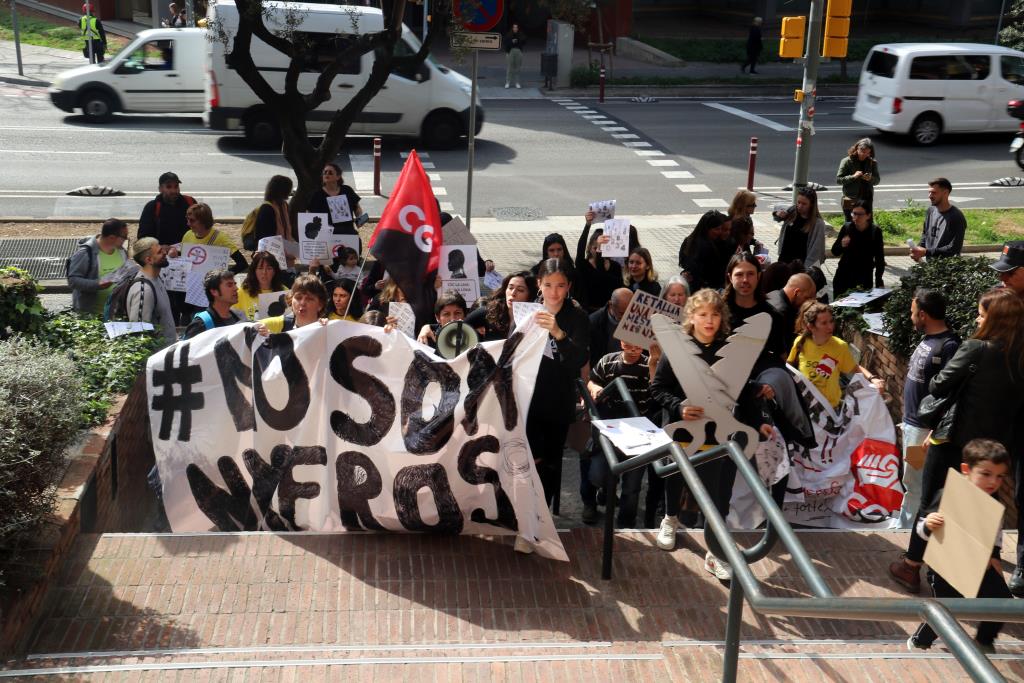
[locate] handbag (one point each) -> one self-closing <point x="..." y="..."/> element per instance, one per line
<point x="939" y="414"/>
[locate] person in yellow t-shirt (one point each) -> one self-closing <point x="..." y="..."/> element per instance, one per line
<point x="263" y="277"/>
<point x="822" y="358"/>
<point x="200" y="223"/>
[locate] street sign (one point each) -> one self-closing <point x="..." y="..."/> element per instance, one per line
<point x="476" y="41"/>
<point x="478" y="15"/>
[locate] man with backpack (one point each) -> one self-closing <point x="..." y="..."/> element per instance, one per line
<point x="146" y="297"/>
<point x="96" y="258"/>
<point x="222" y="293"/>
<point x="164" y="218"/>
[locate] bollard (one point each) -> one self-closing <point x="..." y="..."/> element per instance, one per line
<point x="600" y="97"/>
<point x="376" y="166"/>
<point x="751" y="164"/>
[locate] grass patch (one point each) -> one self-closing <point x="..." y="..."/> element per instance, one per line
<point x="984" y="226"/>
<point x="734" y="50"/>
<point x="45" y="33"/>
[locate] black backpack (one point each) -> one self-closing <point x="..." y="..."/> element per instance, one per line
<point x="82" y="244"/>
<point x="116" y="308"/>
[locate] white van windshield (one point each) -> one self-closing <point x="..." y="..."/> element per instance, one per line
<point x="882" y="64"/>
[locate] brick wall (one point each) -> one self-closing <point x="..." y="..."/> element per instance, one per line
<point x="103" y="489"/>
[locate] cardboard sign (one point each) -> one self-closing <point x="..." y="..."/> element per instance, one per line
<point x="314" y="236"/>
<point x="456" y="232"/>
<point x="341" y="212"/>
<point x="960" y="550"/>
<point x="340" y="242"/>
<point x="603" y="210"/>
<point x="617" y="232"/>
<point x="635" y="325"/>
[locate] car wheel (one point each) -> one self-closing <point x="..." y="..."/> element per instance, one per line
<point x="926" y="129"/>
<point x="1020" y="158"/>
<point x="97" y="106"/>
<point x="442" y="130"/>
<point x="262" y="131"/>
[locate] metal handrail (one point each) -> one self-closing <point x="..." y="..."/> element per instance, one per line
<point x="938" y="612"/>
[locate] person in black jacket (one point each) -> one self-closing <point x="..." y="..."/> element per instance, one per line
<point x="163" y="217"/>
<point x="986" y="374"/>
<point x="788" y="300"/>
<point x="273" y="218"/>
<point x="698" y="254"/>
<point x="553" y="407"/>
<point x="754" y="45"/>
<point x="596" y="276"/>
<point x="640" y="274"/>
<point x="493" y="320"/>
<point x="860" y="249"/>
<point x="333" y="187"/>
<point x="554" y="247"/>
<point x="604" y="322"/>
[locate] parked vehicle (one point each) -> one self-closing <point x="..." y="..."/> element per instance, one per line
<point x="929" y="89"/>
<point x="161" y="71"/>
<point x="431" y="101"/>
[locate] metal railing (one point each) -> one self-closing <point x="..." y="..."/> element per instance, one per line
<point x="941" y="613"/>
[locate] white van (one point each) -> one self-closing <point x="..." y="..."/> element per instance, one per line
<point x="431" y="102"/>
<point x="161" y="71"/>
<point x="926" y="89"/>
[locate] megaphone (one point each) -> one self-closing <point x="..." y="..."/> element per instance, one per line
<point x="454" y="338"/>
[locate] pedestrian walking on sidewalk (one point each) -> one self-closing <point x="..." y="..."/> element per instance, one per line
<point x="515" y="41"/>
<point x="93" y="35"/>
<point x="754" y="46"/>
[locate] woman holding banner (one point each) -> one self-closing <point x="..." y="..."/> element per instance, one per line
<point x="553" y="407"/>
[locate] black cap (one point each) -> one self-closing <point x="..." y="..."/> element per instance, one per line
<point x="1011" y="258"/>
<point x="169" y="177"/>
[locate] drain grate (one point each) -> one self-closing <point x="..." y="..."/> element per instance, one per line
<point x="518" y="213"/>
<point x="42" y="258"/>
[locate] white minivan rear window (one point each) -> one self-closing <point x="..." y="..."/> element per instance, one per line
<point x="882" y="64"/>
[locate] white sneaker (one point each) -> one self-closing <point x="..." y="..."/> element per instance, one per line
<point x="523" y="546"/>
<point x="667" y="533"/>
<point x="720" y="569"/>
<point x="506" y="86"/>
<point x="518" y="86"/>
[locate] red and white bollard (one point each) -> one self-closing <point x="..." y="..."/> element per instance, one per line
<point x="751" y="164"/>
<point x="376" y="166"/>
<point x="600" y="97"/>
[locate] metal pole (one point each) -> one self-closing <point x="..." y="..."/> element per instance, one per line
<point x="999" y="24"/>
<point x="426" y="13"/>
<point x="751" y="164"/>
<point x="376" y="167"/>
<point x="600" y="97"/>
<point x="472" y="141"/>
<point x="611" y="485"/>
<point x="730" y="658"/>
<point x="810" y="89"/>
<point x="17" y="36"/>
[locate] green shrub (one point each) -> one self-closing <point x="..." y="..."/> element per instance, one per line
<point x="20" y="308"/>
<point x="962" y="280"/>
<point x="40" y="409"/>
<point x="106" y="367"/>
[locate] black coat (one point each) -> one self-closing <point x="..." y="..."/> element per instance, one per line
<point x="554" y="395"/>
<point x="166" y="223"/>
<point x="857" y="261"/>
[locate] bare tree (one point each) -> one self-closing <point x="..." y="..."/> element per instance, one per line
<point x="289" y="109"/>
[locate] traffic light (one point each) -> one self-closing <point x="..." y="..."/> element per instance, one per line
<point x="791" y="46"/>
<point x="837" y="28"/>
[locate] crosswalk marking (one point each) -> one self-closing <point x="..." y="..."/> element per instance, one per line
<point x="428" y="164"/>
<point x="672" y="175"/>
<point x="603" y="122"/>
<point x="711" y="203"/>
<point x="625" y="136"/>
<point x="440" y="191"/>
<point x="615" y="129"/>
<point x="637" y="144"/>
<point x="663" y="162"/>
<point x="582" y="112"/>
<point x="422" y="155"/>
<point x="696" y="187"/>
<point x="447" y="206"/>
<point x="649" y="153"/>
<point x="362" y="171"/>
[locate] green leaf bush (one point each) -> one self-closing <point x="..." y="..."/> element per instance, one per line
<point x="962" y="280"/>
<point x="20" y="308"/>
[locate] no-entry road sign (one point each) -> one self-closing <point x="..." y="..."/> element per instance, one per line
<point x="479" y="15"/>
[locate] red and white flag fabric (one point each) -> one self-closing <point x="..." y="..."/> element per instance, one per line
<point x="407" y="240"/>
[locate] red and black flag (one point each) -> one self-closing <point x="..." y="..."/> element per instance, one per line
<point x="407" y="240"/>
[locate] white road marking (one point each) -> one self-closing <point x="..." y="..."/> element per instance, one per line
<point x="680" y="175"/>
<point x="711" y="203"/>
<point x="697" y="187"/>
<point x="615" y="129"/>
<point x="50" y="151"/>
<point x="637" y="144"/>
<point x="603" y="122"/>
<point x="434" y="176"/>
<point x="754" y="118"/>
<point x="428" y="164"/>
<point x="422" y="155"/>
<point x="362" y="172"/>
<point x="587" y="111"/>
<point x="663" y="162"/>
<point x="447" y="206"/>
<point x="440" y="191"/>
<point x="625" y="136"/>
<point x="649" y="153"/>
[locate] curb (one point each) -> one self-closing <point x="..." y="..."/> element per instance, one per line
<point x="23" y="80"/>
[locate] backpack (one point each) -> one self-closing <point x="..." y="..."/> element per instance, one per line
<point x="116" y="308"/>
<point x="82" y="244"/>
<point x="249" y="241"/>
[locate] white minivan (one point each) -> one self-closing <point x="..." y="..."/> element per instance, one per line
<point x="160" y="71"/>
<point x="927" y="89"/>
<point x="430" y="102"/>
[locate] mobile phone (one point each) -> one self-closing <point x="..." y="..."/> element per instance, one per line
<point x="362" y="218"/>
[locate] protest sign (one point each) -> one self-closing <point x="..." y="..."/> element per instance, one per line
<point x="617" y="232"/>
<point x="633" y="435"/>
<point x="405" y="317"/>
<point x="271" y="304"/>
<point x="459" y="271"/>
<point x="175" y="273"/>
<point x="635" y="325"/>
<point x="341" y="212"/>
<point x="339" y="242"/>
<point x="603" y="210"/>
<point x="117" y="329"/>
<point x="204" y="258"/>
<point x="275" y="247"/>
<point x="314" y="231"/>
<point x="345" y="427"/>
<point x="492" y="280"/>
<point x="456" y="232"/>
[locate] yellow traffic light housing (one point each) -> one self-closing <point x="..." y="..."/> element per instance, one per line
<point x="837" y="28"/>
<point x="791" y="46"/>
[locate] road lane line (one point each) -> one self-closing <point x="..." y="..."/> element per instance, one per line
<point x="649" y="153"/>
<point x="615" y="129"/>
<point x="49" y="151"/>
<point x="754" y="118"/>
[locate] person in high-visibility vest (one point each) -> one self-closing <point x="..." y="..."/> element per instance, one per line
<point x="92" y="34"/>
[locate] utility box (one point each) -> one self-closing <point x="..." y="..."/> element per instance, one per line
<point x="559" y="42"/>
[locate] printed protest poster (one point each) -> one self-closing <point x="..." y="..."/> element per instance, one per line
<point x="204" y="258"/>
<point x="341" y="212"/>
<point x="617" y="232"/>
<point x="603" y="210"/>
<point x="492" y="280"/>
<point x="275" y="247"/>
<point x="635" y="325"/>
<point x="405" y="317"/>
<point x="339" y="242"/>
<point x="341" y="428"/>
<point x="459" y="271"/>
<point x="314" y="231"/>
<point x="175" y="273"/>
<point x="195" y="293"/>
<point x="271" y="304"/>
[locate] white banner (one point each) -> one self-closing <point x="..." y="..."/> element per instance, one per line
<point x="345" y="427"/>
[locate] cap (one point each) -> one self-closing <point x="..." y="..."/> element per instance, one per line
<point x="1012" y="257"/>
<point x="143" y="245"/>
<point x="169" y="177"/>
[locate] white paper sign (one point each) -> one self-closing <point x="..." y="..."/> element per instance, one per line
<point x="275" y="247"/>
<point x="492" y="280"/>
<point x="378" y="470"/>
<point x="617" y="232"/>
<point x="341" y="212"/>
<point x="314" y="234"/>
<point x="271" y="304"/>
<point x="339" y="242"/>
<point x="405" y="318"/>
<point x="459" y="271"/>
<point x="633" y="435"/>
<point x="175" y="273"/>
<point x="126" y="269"/>
<point x="195" y="293"/>
<point x="117" y="329"/>
<point x="603" y="210"/>
<point x="521" y="310"/>
<point x="205" y="258"/>
<point x="876" y="323"/>
<point x="635" y="325"/>
<point x="858" y="299"/>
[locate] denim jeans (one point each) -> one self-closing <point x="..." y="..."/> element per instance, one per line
<point x="912" y="436"/>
